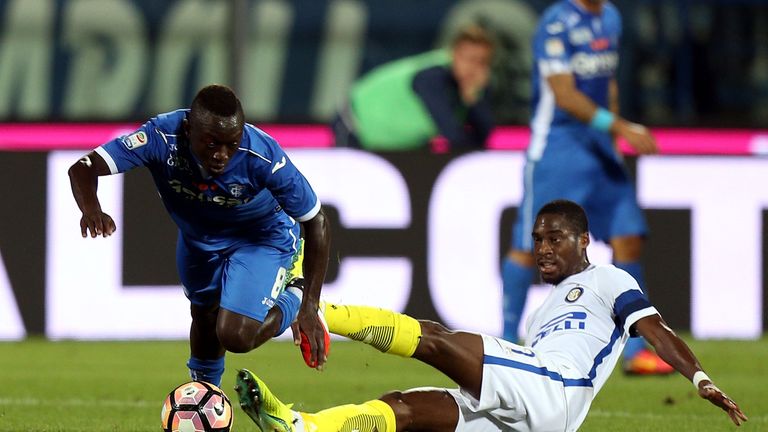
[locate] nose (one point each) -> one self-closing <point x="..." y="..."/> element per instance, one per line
<point x="543" y="248"/>
<point x="220" y="156"/>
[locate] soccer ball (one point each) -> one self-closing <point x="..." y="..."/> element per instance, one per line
<point x="196" y="406"/>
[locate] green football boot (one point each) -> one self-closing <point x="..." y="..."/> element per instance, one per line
<point x="266" y="410"/>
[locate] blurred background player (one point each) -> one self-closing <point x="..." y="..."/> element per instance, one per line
<point x="572" y="152"/>
<point x="575" y="340"/>
<point x="236" y="198"/>
<point x="404" y="104"/>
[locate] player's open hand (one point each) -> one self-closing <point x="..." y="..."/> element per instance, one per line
<point x="638" y="136"/>
<point x="98" y="223"/>
<point x="713" y="394"/>
<point x="312" y="336"/>
<point x="472" y="86"/>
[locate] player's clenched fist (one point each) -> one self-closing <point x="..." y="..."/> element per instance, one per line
<point x="98" y="223"/>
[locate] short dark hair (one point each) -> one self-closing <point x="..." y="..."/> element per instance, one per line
<point x="571" y="211"/>
<point x="218" y="100"/>
<point x="475" y="34"/>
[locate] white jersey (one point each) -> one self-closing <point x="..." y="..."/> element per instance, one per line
<point x="584" y="323"/>
<point x="575" y="339"/>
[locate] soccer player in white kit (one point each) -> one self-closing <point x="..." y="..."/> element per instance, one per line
<point x="575" y="340"/>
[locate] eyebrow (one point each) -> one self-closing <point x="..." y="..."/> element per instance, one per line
<point x="557" y="231"/>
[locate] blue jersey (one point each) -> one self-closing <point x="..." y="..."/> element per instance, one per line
<point x="571" y="40"/>
<point x="567" y="159"/>
<point x="259" y="190"/>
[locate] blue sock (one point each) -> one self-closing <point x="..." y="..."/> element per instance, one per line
<point x="206" y="370"/>
<point x="635" y="269"/>
<point x="289" y="303"/>
<point x="516" y="280"/>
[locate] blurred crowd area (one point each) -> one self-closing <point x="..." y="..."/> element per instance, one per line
<point x="683" y="62"/>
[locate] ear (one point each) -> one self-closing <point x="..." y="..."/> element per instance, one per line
<point x="584" y="240"/>
<point x="185" y="127"/>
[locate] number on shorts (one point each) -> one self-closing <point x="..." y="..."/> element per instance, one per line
<point x="277" y="288"/>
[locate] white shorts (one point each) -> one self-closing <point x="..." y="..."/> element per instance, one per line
<point x="521" y="392"/>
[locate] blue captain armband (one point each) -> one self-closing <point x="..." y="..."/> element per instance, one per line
<point x="602" y="120"/>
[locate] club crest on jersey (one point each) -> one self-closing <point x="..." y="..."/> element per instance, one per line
<point x="236" y="190"/>
<point x="554" y="47"/>
<point x="135" y="140"/>
<point x="574" y="294"/>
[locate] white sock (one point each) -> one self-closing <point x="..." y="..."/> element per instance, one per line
<point x="296" y="291"/>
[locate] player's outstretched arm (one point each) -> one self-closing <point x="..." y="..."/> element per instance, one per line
<point x="677" y="353"/>
<point x="570" y="99"/>
<point x="83" y="177"/>
<point x="317" y="241"/>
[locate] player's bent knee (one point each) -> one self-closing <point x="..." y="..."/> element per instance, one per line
<point x="403" y="411"/>
<point x="433" y="329"/>
<point x="424" y="408"/>
<point x="433" y="337"/>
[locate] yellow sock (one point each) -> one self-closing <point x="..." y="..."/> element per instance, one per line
<point x="387" y="331"/>
<point x="370" y="416"/>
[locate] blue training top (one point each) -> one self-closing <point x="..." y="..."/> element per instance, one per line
<point x="571" y="40"/>
<point x="259" y="190"/>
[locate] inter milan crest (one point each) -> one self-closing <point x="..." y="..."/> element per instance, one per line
<point x="574" y="294"/>
<point x="236" y="190"/>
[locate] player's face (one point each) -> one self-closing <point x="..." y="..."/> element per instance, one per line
<point x="593" y="5"/>
<point x="471" y="63"/>
<point x="214" y="140"/>
<point x="557" y="248"/>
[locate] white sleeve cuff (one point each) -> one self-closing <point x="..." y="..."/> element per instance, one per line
<point x="553" y="67"/>
<point x="310" y="214"/>
<point x="108" y="159"/>
<point x="638" y="315"/>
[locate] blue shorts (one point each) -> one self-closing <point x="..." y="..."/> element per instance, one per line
<point x="580" y="167"/>
<point x="245" y="278"/>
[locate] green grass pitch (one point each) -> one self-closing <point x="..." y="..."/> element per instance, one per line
<point x="120" y="386"/>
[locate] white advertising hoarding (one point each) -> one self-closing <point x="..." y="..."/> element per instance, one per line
<point x="85" y="297"/>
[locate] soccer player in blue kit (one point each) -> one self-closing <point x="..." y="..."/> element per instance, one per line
<point x="237" y="200"/>
<point x="572" y="152"/>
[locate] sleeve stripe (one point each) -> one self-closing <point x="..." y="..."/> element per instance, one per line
<point x="310" y="214"/>
<point x="256" y="154"/>
<point x="108" y="159"/>
<point x="628" y="303"/>
<point x="553" y="67"/>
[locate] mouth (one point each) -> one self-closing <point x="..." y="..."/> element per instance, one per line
<point x="546" y="267"/>
<point x="216" y="168"/>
